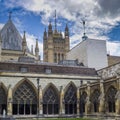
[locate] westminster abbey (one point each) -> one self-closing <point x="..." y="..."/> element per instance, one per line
<point x="58" y="86"/>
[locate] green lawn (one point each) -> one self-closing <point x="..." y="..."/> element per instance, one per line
<point x="57" y="119"/>
<point x="68" y="119"/>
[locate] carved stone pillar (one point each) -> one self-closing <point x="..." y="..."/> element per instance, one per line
<point x="102" y="98"/>
<point x="88" y="103"/>
<point x="117" y="103"/>
<point x="78" y="101"/>
<point x="62" y="107"/>
<point x="40" y="101"/>
<point x="9" y="101"/>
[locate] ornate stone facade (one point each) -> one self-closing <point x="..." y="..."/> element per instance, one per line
<point x="29" y="87"/>
<point x="59" y="93"/>
<point x="55" y="46"/>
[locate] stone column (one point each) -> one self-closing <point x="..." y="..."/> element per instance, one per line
<point x="88" y="103"/>
<point x="40" y="101"/>
<point x="78" y="101"/>
<point x="102" y="98"/>
<point x="117" y="103"/>
<point x="9" y="101"/>
<point x="62" y="108"/>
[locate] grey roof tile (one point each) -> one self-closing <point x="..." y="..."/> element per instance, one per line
<point x="11" y="38"/>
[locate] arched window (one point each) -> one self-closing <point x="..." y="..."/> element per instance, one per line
<point x="95" y="100"/>
<point x="70" y="100"/>
<point x="110" y="98"/>
<point x="82" y="102"/>
<point x="50" y="101"/>
<point x="25" y="100"/>
<point x="3" y="100"/>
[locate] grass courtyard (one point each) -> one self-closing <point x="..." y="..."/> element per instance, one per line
<point x="57" y="119"/>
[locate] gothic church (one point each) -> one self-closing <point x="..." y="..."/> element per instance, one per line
<point x="32" y="88"/>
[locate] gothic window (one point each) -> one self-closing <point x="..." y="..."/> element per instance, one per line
<point x="95" y="100"/>
<point x="70" y="100"/>
<point x="25" y="100"/>
<point x="110" y="98"/>
<point x="82" y="102"/>
<point x="50" y="101"/>
<point x="3" y="100"/>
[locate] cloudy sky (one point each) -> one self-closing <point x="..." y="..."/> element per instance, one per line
<point x="102" y="19"/>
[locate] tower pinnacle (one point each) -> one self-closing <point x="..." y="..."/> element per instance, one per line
<point x="55" y="21"/>
<point x="10" y="14"/>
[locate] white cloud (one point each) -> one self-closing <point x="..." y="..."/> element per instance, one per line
<point x="101" y="16"/>
<point x="113" y="48"/>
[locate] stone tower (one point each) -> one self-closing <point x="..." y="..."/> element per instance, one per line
<point x="55" y="46"/>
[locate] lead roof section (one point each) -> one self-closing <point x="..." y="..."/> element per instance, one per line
<point x="41" y="68"/>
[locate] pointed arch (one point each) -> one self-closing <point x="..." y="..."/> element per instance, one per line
<point x="83" y="97"/>
<point x="70" y="99"/>
<point x="22" y="81"/>
<point x="51" y="99"/>
<point x="70" y="83"/>
<point x="24" y="98"/>
<point x="3" y="98"/>
<point x="94" y="98"/>
<point x="53" y="86"/>
<point x="110" y="98"/>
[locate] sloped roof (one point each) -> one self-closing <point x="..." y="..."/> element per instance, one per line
<point x="11" y="38"/>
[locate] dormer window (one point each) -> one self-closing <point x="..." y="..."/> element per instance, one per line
<point x="23" y="69"/>
<point x="48" y="70"/>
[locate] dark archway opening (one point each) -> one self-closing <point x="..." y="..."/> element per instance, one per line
<point x="95" y="100"/>
<point x="3" y="100"/>
<point x="110" y="99"/>
<point x="70" y="100"/>
<point x="50" y="101"/>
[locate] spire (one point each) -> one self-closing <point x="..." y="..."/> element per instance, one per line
<point x="66" y="31"/>
<point x="37" y="50"/>
<point x="32" y="49"/>
<point x="66" y="28"/>
<point x="45" y="33"/>
<point x="10" y="14"/>
<point x="50" y="29"/>
<point x="84" y="34"/>
<point x="55" y="22"/>
<point x="36" y="47"/>
<point x="24" y="37"/>
<point x="50" y="25"/>
<point x="24" y="43"/>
